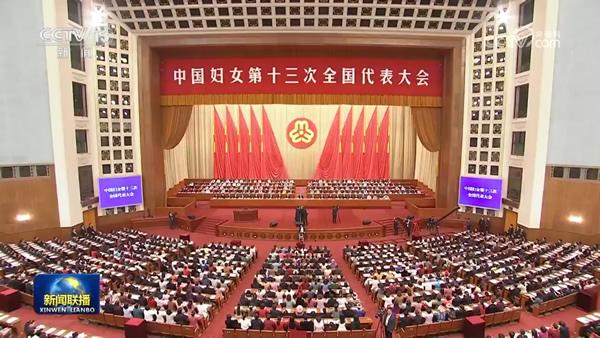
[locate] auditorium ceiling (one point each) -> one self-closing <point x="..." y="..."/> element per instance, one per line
<point x="439" y="17"/>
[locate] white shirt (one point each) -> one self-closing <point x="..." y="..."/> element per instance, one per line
<point x="319" y="326"/>
<point x="245" y="323"/>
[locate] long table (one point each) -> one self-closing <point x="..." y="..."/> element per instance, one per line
<point x="292" y="203"/>
<point x="350" y="233"/>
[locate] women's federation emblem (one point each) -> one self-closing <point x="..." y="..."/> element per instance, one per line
<point x="301" y="133"/>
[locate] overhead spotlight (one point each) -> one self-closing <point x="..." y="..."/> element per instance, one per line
<point x="575" y="219"/>
<point x="23" y="217"/>
<point x="99" y="17"/>
<point x="503" y="15"/>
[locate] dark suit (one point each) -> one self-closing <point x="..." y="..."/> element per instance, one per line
<point x="256" y="324"/>
<point x="389" y="321"/>
<point x="232" y="324"/>
<point x="334" y="213"/>
<point x="564" y="332"/>
<point x="307" y="325"/>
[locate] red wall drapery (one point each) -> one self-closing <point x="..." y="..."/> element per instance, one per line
<point x="357" y="146"/>
<point x="255" y="151"/>
<point x="244" y="154"/>
<point x="383" y="139"/>
<point x="273" y="162"/>
<point x="232" y="148"/>
<point x="360" y="155"/>
<point x="346" y="148"/>
<point x="219" y="154"/>
<point x="328" y="163"/>
<point x="249" y="154"/>
<point x="370" y="160"/>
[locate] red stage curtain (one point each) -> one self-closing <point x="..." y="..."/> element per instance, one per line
<point x="328" y="163"/>
<point x="357" y="149"/>
<point x="244" y="154"/>
<point x="383" y="155"/>
<point x="255" y="153"/>
<point x="370" y="166"/>
<point x="232" y="148"/>
<point x="273" y="165"/>
<point x="219" y="155"/>
<point x="346" y="148"/>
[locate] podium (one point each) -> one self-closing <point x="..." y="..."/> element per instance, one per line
<point x="10" y="300"/>
<point x="587" y="300"/>
<point x="245" y="215"/>
<point x="135" y="328"/>
<point x="474" y="327"/>
<point x="184" y="237"/>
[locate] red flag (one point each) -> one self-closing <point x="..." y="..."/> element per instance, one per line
<point x="244" y="155"/>
<point x="271" y="156"/>
<point x="370" y="159"/>
<point x="326" y="169"/>
<point x="383" y="138"/>
<point x="345" y="170"/>
<point x="232" y="147"/>
<point x="219" y="154"/>
<point x="357" y="146"/>
<point x="255" y="151"/>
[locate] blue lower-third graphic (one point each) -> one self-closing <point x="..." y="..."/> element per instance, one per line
<point x="66" y="293"/>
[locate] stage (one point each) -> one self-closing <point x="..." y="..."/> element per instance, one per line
<point x="220" y="222"/>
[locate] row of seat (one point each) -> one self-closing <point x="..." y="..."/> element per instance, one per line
<point x="151" y="327"/>
<point x="554" y="304"/>
<point x="229" y="333"/>
<point x="446" y="327"/>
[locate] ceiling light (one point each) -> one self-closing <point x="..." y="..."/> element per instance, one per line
<point x="23" y="217"/>
<point x="503" y="15"/>
<point x="99" y="17"/>
<point x="575" y="219"/>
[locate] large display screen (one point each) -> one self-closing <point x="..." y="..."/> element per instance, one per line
<point x="120" y="191"/>
<point x="480" y="192"/>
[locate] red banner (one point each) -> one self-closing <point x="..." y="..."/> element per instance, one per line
<point x="301" y="76"/>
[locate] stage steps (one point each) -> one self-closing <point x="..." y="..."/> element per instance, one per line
<point x="209" y="226"/>
<point x="388" y="226"/>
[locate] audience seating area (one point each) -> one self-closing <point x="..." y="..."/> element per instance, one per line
<point x="160" y="279"/>
<point x="299" y="289"/>
<point x="436" y="282"/>
<point x="428" y="299"/>
<point x="554" y="330"/>
<point x="357" y="189"/>
<point x="33" y="329"/>
<point x="587" y="325"/>
<point x="243" y="189"/>
<point x="538" y="275"/>
<point x="10" y="326"/>
<point x="228" y="333"/>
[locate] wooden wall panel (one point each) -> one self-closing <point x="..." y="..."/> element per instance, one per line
<point x="564" y="197"/>
<point x="35" y="196"/>
<point x="153" y="170"/>
<point x="451" y="128"/>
